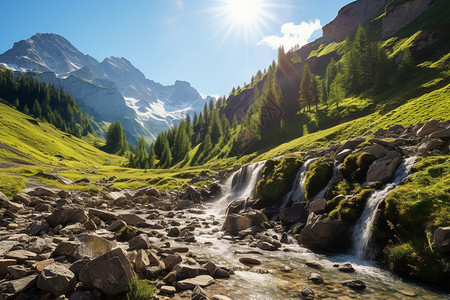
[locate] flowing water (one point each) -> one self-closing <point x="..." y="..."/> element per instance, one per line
<point x="322" y="193"/>
<point x="362" y="229"/>
<point x="297" y="193"/>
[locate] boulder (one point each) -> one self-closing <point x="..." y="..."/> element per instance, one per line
<point x="315" y="278"/>
<point x="67" y="248"/>
<point x="249" y="261"/>
<point x="352" y="144"/>
<point x="441" y="239"/>
<point x="56" y="279"/>
<point x="22" y="198"/>
<point x="376" y="150"/>
<point x="12" y="206"/>
<point x="354" y="284"/>
<point x="191" y="283"/>
<point x="111" y="273"/>
<point x="343" y="154"/>
<point x="171" y="261"/>
<point x="18" y="285"/>
<point x="294" y="214"/>
<point x="235" y="223"/>
<point x="93" y="246"/>
<point x="441" y="134"/>
<point x="185" y="271"/>
<point x="36" y="229"/>
<point x="20" y="255"/>
<point x="17" y="271"/>
<point x="191" y="194"/>
<point x="167" y="289"/>
<point x="81" y="295"/>
<point x="116" y="225"/>
<point x="41" y="265"/>
<point x="429" y="127"/>
<point x="322" y="234"/>
<point x="431" y="145"/>
<point x="317" y="206"/>
<point x="236" y="206"/>
<point x="3" y="198"/>
<point x="67" y="214"/>
<point x="141" y="261"/>
<point x="43" y="192"/>
<point x="384" y="168"/>
<point x="174" y="232"/>
<point x="6" y="246"/>
<point x="131" y="219"/>
<point x="103" y="215"/>
<point x="4" y="264"/>
<point x="139" y="242"/>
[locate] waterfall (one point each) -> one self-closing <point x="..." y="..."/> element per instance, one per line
<point x="297" y="193"/>
<point x="322" y="193"/>
<point x="239" y="185"/>
<point x="362" y="229"/>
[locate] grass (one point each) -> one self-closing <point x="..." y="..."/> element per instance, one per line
<point x="140" y="289"/>
<point x="10" y="185"/>
<point x="412" y="213"/>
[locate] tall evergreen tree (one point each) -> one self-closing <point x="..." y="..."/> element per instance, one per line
<point x="116" y="141"/>
<point x="306" y="88"/>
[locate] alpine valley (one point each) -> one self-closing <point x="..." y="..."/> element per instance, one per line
<point x="326" y="176"/>
<point x="111" y="90"/>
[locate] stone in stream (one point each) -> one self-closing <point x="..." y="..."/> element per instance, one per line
<point x="102" y="214"/>
<point x="313" y="264"/>
<point x="315" y="278"/>
<point x="220" y="297"/>
<point x="167" y="289"/>
<point x="191" y="283"/>
<point x="56" y="279"/>
<point x="346" y="268"/>
<point x="235" y="223"/>
<point x="306" y="293"/>
<point x="139" y="242"/>
<point x="131" y="219"/>
<point x="354" y="284"/>
<point x="249" y="261"/>
<point x="116" y="225"/>
<point x="185" y="271"/>
<point x="198" y="294"/>
<point x="384" y="168"/>
<point x="174" y="232"/>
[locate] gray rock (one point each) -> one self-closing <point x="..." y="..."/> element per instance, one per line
<point x="167" y="289"/>
<point x="354" y="284"/>
<point x="4" y="264"/>
<point x="20" y="255"/>
<point x="352" y="144"/>
<point x="441" y="134"/>
<point x="185" y="271"/>
<point x="103" y="215"/>
<point x="317" y="206"/>
<point x="93" y="246"/>
<point x="36" y="229"/>
<point x="171" y="261"/>
<point x="174" y="232"/>
<point x="441" y="239"/>
<point x="322" y="234"/>
<point x="376" y="150"/>
<point x="56" y="279"/>
<point x="22" y="198"/>
<point x="429" y="127"/>
<point x="67" y="214"/>
<point x="346" y="268"/>
<point x="139" y="242"/>
<point x="131" y="219"/>
<point x="142" y="261"/>
<point x="384" y="168"/>
<point x="111" y="273"/>
<point x="315" y="278"/>
<point x="191" y="283"/>
<point x="235" y="223"/>
<point x="294" y="214"/>
<point x="306" y="293"/>
<point x="81" y="295"/>
<point x="18" y="285"/>
<point x="67" y="248"/>
<point x="249" y="261"/>
<point x="40" y="191"/>
<point x="116" y="225"/>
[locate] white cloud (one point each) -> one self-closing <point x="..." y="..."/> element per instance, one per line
<point x="292" y="35"/>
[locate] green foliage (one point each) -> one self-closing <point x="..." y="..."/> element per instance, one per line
<point x="140" y="289"/>
<point x="348" y="209"/>
<point x="140" y="159"/>
<point x="276" y="180"/>
<point x="116" y="141"/>
<point x="317" y="177"/>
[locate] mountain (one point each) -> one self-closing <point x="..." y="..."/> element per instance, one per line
<point x="109" y="90"/>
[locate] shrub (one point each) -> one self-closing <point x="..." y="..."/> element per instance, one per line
<point x="140" y="289"/>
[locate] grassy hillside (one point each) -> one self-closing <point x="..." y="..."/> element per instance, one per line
<point x="29" y="146"/>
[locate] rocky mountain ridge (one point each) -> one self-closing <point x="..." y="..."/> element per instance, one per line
<point x="109" y="90"/>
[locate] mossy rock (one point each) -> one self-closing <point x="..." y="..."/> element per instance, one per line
<point x="348" y="209"/>
<point x="276" y="180"/>
<point x="355" y="166"/>
<point x="317" y="177"/>
<point x="126" y="233"/>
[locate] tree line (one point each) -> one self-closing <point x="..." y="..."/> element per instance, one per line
<point x="45" y="102"/>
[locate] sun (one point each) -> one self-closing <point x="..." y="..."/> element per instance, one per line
<point x="244" y="11"/>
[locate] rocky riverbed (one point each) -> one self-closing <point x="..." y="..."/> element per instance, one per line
<point x="72" y="245"/>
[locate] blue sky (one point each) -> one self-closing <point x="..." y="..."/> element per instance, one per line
<point x="213" y="44"/>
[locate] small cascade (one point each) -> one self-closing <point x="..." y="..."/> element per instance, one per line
<point x="362" y="229"/>
<point x="240" y="185"/>
<point x="297" y="193"/>
<point x="322" y="193"/>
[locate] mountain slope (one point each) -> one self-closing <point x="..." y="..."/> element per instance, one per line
<point x="114" y="81"/>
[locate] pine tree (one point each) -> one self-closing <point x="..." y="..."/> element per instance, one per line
<point x="116" y="141"/>
<point x="406" y="67"/>
<point x="235" y="122"/>
<point x="306" y="93"/>
<point x="166" y="159"/>
<point x="26" y="110"/>
<point x="181" y="144"/>
<point x="215" y="127"/>
<point x="152" y="157"/>
<point x="36" y="110"/>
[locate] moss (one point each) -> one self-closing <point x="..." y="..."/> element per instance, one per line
<point x="10" y="184"/>
<point x="276" y="180"/>
<point x="355" y="166"/>
<point x="125" y="233"/>
<point x="139" y="289"/>
<point x="348" y="209"/>
<point x="317" y="177"/>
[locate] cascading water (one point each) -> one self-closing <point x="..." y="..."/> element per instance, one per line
<point x="240" y="185"/>
<point x="362" y="229"/>
<point x="297" y="193"/>
<point x="322" y="193"/>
